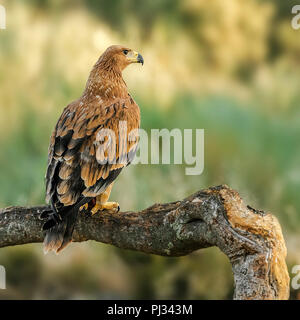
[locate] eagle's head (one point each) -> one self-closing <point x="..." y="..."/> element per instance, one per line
<point x="119" y="57"/>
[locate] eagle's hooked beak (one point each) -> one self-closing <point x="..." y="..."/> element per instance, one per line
<point x="135" y="57"/>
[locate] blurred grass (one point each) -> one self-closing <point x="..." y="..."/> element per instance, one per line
<point x="200" y="72"/>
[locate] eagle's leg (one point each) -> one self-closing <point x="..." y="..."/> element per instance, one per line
<point x="103" y="204"/>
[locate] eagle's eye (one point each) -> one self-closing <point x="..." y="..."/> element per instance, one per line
<point x="125" y="52"/>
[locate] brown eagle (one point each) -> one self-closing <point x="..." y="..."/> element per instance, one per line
<point x="84" y="161"/>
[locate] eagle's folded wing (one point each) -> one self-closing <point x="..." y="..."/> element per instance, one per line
<point x="89" y="148"/>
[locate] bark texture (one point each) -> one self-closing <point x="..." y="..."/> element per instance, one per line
<point x="251" y="239"/>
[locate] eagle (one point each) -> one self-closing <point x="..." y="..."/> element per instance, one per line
<point x="91" y="143"/>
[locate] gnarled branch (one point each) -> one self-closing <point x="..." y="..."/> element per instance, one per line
<point x="217" y="216"/>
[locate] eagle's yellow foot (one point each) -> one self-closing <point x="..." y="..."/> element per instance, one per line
<point x="109" y="206"/>
<point x="84" y="207"/>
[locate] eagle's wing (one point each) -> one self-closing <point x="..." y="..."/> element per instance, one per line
<point x="79" y="162"/>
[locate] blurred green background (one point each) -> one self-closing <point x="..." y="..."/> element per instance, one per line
<point x="230" y="67"/>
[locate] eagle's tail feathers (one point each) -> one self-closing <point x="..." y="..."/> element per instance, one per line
<point x="60" y="226"/>
<point x="54" y="237"/>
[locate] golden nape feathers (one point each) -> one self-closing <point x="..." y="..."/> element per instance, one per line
<point x="88" y="142"/>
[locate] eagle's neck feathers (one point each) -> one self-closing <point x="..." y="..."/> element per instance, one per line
<point x="106" y="81"/>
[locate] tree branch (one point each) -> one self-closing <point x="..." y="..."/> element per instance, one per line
<point x="217" y="216"/>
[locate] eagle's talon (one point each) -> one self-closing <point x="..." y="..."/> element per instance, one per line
<point x="97" y="207"/>
<point x="111" y="207"/>
<point x="84" y="207"/>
